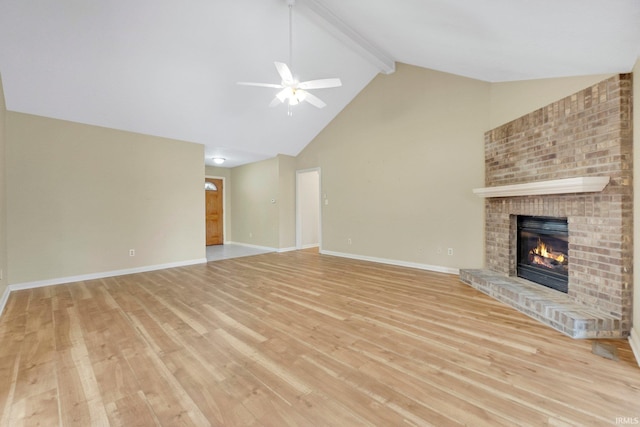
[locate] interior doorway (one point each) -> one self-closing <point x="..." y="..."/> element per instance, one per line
<point x="214" y="213"/>
<point x="308" y="209"/>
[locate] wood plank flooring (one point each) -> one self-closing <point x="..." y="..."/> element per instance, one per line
<point x="296" y="339"/>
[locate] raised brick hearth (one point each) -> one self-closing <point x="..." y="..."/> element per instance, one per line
<point x="584" y="135"/>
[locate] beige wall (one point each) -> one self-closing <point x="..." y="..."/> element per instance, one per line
<point x="398" y="164"/>
<point x="79" y="197"/>
<point x="264" y="203"/>
<point x="3" y="196"/>
<point x="397" y="168"/>
<point x="511" y="100"/>
<point x="635" y="331"/>
<point x="217" y="172"/>
<point x="255" y="218"/>
<point x="287" y="202"/>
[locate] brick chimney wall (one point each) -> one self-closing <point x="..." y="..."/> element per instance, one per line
<point x="586" y="134"/>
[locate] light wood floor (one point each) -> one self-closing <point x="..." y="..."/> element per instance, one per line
<point x="296" y="339"/>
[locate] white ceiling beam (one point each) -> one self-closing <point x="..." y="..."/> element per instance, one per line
<point x="347" y="35"/>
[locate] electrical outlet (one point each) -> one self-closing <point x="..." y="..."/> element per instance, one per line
<point x="132" y="252"/>
<point x="450" y="251"/>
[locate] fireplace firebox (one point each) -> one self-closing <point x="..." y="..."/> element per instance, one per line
<point x="543" y="251"/>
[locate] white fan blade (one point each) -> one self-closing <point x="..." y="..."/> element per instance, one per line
<point x="285" y="72"/>
<point x="314" y="100"/>
<point x="276" y="101"/>
<point x="261" y="85"/>
<point x="320" y="84"/>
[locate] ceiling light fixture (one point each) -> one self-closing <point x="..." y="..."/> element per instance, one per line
<point x="218" y="160"/>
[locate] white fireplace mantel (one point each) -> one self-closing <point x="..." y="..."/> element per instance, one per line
<point x="583" y="184"/>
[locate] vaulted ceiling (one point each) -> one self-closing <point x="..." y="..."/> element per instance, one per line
<point x="169" y="68"/>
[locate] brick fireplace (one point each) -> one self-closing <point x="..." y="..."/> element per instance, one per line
<point x="585" y="136"/>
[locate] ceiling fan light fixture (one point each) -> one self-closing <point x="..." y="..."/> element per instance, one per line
<point x="300" y="95"/>
<point x="295" y="96"/>
<point x="285" y="94"/>
<point x="291" y="90"/>
<point x="218" y="160"/>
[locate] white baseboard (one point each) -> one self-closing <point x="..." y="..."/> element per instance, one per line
<point x="428" y="267"/>
<point x="248" y="245"/>
<point x="634" y="341"/>
<point x="101" y="275"/>
<point x="4" y="298"/>
<point x="312" y="245"/>
<point x="293" y="248"/>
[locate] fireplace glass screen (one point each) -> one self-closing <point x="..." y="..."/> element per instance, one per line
<point x="543" y="251"/>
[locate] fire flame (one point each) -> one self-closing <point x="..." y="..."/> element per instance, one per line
<point x="547" y="252"/>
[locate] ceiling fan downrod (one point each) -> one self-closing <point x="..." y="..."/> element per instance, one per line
<point x="291" y="3"/>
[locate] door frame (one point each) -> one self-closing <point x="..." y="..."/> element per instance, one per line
<point x="224" y="206"/>
<point x="299" y="210"/>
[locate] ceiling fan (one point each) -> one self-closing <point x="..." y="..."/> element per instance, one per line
<point x="291" y="91"/>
